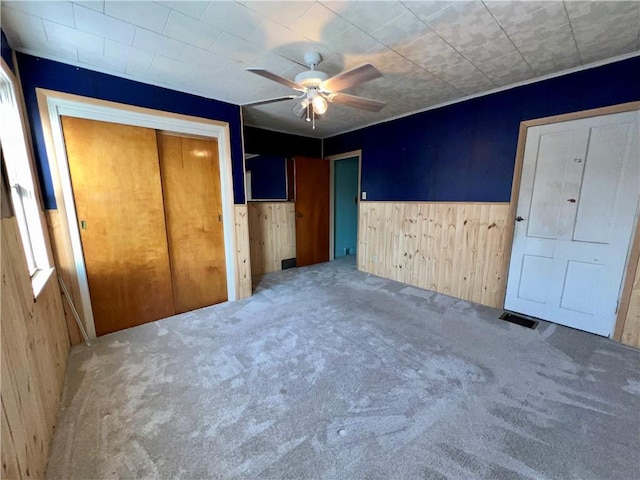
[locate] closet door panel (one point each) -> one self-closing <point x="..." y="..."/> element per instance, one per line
<point x="193" y="209"/>
<point x="118" y="197"/>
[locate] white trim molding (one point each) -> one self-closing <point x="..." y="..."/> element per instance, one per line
<point x="54" y="104"/>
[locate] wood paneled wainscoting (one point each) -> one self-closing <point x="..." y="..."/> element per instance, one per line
<point x="35" y="346"/>
<point x="272" y="235"/>
<point x="243" y="255"/>
<point x="452" y="248"/>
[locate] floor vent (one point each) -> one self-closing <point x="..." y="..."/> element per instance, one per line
<point x="518" y="320"/>
<point x="288" y="263"/>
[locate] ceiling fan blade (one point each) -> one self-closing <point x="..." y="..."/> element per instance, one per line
<point x="357" y="102"/>
<point x="276" y="78"/>
<point x="350" y="78"/>
<point x="270" y="100"/>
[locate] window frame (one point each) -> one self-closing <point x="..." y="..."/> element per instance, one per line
<point x="17" y="159"/>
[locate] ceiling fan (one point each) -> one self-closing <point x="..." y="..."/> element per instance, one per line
<point x="317" y="90"/>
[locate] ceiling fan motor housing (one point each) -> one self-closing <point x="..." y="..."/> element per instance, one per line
<point x="311" y="78"/>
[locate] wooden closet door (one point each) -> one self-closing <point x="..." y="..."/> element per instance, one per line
<point x="116" y="185"/>
<point x="193" y="209"/>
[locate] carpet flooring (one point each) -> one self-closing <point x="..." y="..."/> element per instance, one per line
<point x="330" y="373"/>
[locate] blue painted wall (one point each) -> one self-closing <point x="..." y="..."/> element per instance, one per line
<point x="466" y="152"/>
<point x="268" y="177"/>
<point x="5" y="50"/>
<point x="38" y="72"/>
<point x="345" y="187"/>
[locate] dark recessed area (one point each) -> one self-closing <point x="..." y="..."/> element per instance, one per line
<point x="518" y="320"/>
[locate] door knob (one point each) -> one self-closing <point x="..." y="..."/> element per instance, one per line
<point x="298" y="215"/>
<point x="519" y="218"/>
<point x="571" y="200"/>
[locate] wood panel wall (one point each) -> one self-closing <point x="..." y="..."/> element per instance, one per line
<point x="35" y="346"/>
<point x="243" y="255"/>
<point x="65" y="266"/>
<point x="452" y="248"/>
<point x="631" y="329"/>
<point x="272" y="235"/>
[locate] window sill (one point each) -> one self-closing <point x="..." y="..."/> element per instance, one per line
<point x="39" y="280"/>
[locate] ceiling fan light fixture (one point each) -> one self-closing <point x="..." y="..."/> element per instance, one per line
<point x="319" y="104"/>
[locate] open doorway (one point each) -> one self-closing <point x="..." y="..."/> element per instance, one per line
<point x="345" y="188"/>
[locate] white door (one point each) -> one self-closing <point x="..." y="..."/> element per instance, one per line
<point x="576" y="212"/>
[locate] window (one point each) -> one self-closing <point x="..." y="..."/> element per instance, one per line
<point x="17" y="161"/>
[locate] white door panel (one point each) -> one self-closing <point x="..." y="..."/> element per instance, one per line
<point x="579" y="197"/>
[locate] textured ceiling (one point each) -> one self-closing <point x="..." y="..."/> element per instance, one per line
<point x="430" y="52"/>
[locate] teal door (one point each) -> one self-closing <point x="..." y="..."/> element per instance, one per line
<point x="345" y="183"/>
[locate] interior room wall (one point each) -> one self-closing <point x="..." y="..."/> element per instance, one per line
<point x="447" y="174"/>
<point x="268" y="177"/>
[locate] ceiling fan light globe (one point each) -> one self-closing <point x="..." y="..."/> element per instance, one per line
<point x="319" y="104"/>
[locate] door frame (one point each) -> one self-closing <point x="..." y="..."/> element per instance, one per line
<point x="53" y="104"/>
<point x="332" y="159"/>
<point x="634" y="246"/>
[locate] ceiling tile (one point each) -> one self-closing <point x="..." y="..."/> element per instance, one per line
<point x="232" y="17"/>
<point x="23" y="23"/>
<point x="338" y="6"/>
<point x="187" y="29"/>
<point x="466" y="78"/>
<point x="230" y="46"/>
<point x="603" y="28"/>
<point x="198" y="56"/>
<point x="194" y="9"/>
<point x="156" y="43"/>
<point x="284" y="41"/>
<point x="554" y="64"/>
<point x="168" y="66"/>
<point x="62" y="35"/>
<point x="91" y="21"/>
<point x="272" y="62"/>
<point x="507" y="69"/>
<point x="466" y="25"/>
<point x="149" y="15"/>
<point x="128" y="54"/>
<point x="369" y="16"/>
<point x="431" y="52"/>
<point x="480" y="54"/>
<point x="319" y="24"/>
<point x="426" y="10"/>
<point x="400" y="30"/>
<point x="555" y="48"/>
<point x="285" y="13"/>
<point x="352" y="40"/>
<point x="98" y="60"/>
<point x="140" y="70"/>
<point x="529" y="29"/>
<point x="97" y="5"/>
<point x="512" y="14"/>
<point x="59" y="12"/>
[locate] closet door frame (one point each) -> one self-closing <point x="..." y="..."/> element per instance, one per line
<point x="52" y="105"/>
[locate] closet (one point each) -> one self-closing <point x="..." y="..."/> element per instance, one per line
<point x="149" y="211"/>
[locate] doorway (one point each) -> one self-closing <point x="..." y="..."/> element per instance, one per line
<point x="345" y="206"/>
<point x="576" y="211"/>
<point x="345" y="192"/>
